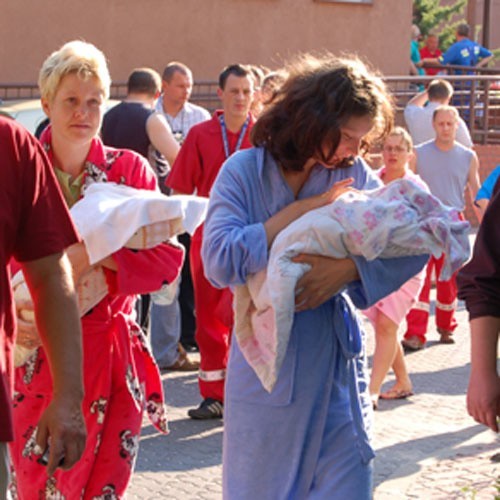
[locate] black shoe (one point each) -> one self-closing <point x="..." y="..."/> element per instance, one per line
<point x="209" y="408"/>
<point x="190" y="347"/>
<point x="412" y="343"/>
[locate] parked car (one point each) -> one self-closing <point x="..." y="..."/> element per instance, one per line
<point x="27" y="112"/>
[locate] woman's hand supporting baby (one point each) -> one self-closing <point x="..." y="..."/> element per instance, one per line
<point x="325" y="279"/>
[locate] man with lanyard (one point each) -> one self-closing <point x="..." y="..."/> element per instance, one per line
<point x="204" y="151"/>
<point x="447" y="168"/>
<point x="174" y="321"/>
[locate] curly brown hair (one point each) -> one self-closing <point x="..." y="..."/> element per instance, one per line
<point x="319" y="96"/>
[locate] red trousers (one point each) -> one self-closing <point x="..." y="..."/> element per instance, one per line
<point x="214" y="323"/>
<point x="446" y="303"/>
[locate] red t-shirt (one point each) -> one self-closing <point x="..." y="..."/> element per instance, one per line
<point x="202" y="155"/>
<point x="425" y="53"/>
<point x="34" y="223"/>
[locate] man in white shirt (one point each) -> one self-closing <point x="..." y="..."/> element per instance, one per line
<point x="418" y="114"/>
<point x="173" y="322"/>
<point x="177" y="85"/>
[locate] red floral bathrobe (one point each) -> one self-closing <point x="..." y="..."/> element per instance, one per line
<point x="120" y="375"/>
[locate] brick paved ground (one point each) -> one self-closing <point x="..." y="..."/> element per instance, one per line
<point x="427" y="446"/>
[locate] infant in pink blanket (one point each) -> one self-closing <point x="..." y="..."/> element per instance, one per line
<point x="398" y="219"/>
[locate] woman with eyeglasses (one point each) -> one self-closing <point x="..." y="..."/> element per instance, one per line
<point x="387" y="314"/>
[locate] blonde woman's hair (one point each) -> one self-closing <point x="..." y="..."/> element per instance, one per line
<point x="405" y="136"/>
<point x="76" y="57"/>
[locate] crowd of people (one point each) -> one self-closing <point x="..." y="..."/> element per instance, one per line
<point x="283" y="144"/>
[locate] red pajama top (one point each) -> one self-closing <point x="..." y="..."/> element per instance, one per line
<point x="202" y="155"/>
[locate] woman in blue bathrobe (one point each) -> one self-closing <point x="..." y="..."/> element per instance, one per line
<point x="309" y="437"/>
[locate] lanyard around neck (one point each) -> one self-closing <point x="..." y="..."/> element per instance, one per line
<point x="225" y="140"/>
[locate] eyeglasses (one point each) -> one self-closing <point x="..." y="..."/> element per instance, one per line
<point x="395" y="149"/>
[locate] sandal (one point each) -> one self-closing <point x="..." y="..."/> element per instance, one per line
<point x="396" y="394"/>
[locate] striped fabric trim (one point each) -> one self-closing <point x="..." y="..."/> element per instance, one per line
<point x="212" y="375"/>
<point x="216" y="408"/>
<point x="422" y="306"/>
<point x="446" y="307"/>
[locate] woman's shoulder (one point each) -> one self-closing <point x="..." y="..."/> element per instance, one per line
<point x="128" y="167"/>
<point x="123" y="157"/>
<point x="243" y="163"/>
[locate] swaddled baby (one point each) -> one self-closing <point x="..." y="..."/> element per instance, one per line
<point x="399" y="219"/>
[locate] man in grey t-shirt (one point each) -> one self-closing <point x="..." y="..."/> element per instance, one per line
<point x="448" y="168"/>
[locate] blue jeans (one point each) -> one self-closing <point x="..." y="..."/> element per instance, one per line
<point x="165" y="324"/>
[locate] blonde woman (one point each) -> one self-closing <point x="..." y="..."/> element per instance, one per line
<point x="120" y="376"/>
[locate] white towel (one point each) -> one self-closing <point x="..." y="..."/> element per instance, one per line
<point x="109" y="215"/>
<point x="112" y="216"/>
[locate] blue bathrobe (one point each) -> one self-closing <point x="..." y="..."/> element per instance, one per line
<point x="309" y="437"/>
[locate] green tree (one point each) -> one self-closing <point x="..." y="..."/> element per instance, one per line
<point x="432" y="17"/>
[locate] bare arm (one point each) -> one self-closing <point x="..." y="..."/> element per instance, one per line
<point x="58" y="322"/>
<point x="80" y="264"/>
<point x="483" y="394"/>
<point x="482" y="204"/>
<point x="327" y="275"/>
<point x="484" y="62"/>
<point x="161" y="137"/>
<point x="473" y="183"/>
<point x="413" y="69"/>
<point x="419" y="99"/>
<point x="434" y="61"/>
<point x="325" y="278"/>
<point x="298" y="208"/>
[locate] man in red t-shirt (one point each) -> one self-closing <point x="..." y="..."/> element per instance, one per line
<point x="430" y="51"/>
<point x="202" y="154"/>
<point x="35" y="228"/>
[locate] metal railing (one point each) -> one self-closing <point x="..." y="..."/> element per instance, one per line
<point x="476" y="96"/>
<point x="204" y="92"/>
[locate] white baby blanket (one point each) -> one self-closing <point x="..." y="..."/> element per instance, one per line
<point x="109" y="215"/>
<point x="112" y="216"/>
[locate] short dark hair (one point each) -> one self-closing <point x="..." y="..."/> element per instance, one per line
<point x="439" y="90"/>
<point x="240" y="70"/>
<point x="463" y="29"/>
<point x="144" y="81"/>
<point x="175" y="67"/>
<point x="319" y="96"/>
